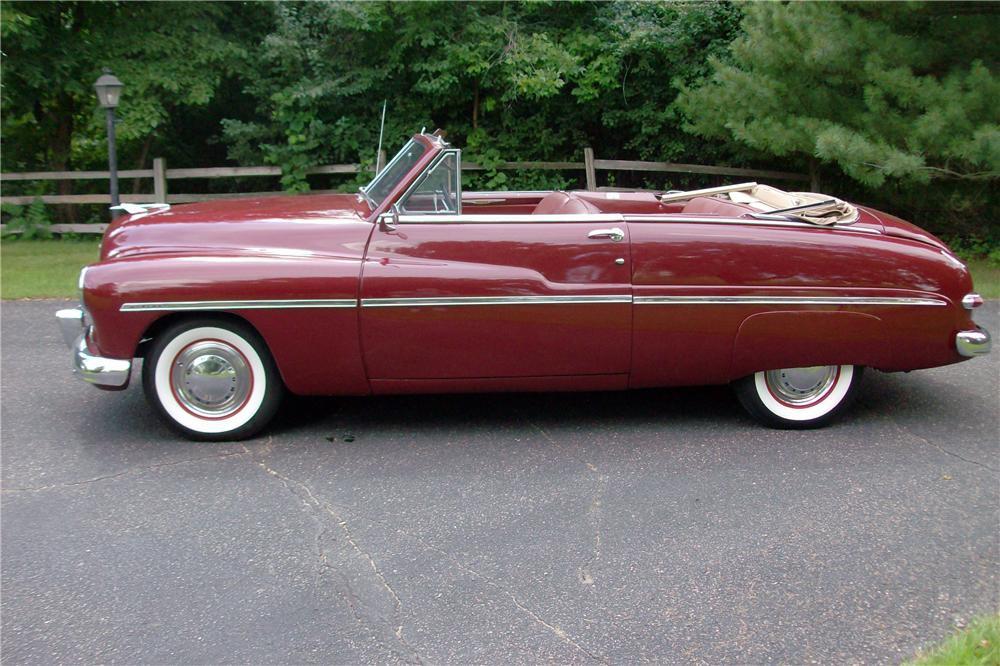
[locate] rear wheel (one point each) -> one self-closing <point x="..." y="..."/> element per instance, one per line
<point x="212" y="379"/>
<point x="799" y="397"/>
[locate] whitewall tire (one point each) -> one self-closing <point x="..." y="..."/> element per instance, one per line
<point x="799" y="397"/>
<point x="212" y="379"/>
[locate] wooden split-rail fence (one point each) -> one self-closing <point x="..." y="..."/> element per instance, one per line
<point x="161" y="176"/>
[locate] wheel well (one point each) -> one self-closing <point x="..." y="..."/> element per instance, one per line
<point x="161" y="324"/>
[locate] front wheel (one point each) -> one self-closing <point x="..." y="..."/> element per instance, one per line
<point x="799" y="398"/>
<point x="212" y="379"/>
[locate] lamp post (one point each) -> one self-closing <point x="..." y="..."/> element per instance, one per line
<point x="109" y="90"/>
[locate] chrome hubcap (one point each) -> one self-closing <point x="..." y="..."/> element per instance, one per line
<point x="211" y="378"/>
<point x="801" y="385"/>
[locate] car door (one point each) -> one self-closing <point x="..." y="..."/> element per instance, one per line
<point x="458" y="297"/>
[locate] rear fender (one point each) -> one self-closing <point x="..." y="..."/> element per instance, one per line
<point x="771" y="340"/>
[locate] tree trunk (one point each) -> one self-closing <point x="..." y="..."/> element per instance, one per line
<point x="475" y="107"/>
<point x="814" y="181"/>
<point x="60" y="147"/>
<point x="143" y="154"/>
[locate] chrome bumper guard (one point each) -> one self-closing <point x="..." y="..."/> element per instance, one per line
<point x="97" y="370"/>
<point x="973" y="343"/>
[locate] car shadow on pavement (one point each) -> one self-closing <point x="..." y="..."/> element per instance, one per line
<point x="488" y="410"/>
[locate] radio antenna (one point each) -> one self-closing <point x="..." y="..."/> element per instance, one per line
<point x="381" y="129"/>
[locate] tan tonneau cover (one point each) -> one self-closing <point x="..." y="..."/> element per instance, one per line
<point x="765" y="199"/>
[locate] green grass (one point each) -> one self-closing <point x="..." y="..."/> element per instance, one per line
<point x="976" y="645"/>
<point x="985" y="277"/>
<point x="49" y="268"/>
<point x="44" y="268"/>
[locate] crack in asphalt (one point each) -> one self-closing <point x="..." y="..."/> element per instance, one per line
<point x="594" y="511"/>
<point x="127" y="472"/>
<point x="558" y="632"/>
<point x="458" y="563"/>
<point x="920" y="438"/>
<point x="308" y="497"/>
<point x="596" y="515"/>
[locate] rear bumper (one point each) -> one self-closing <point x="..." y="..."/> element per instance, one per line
<point x="973" y="343"/>
<point x="110" y="373"/>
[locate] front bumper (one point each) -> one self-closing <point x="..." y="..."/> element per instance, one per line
<point x="109" y="373"/>
<point x="973" y="343"/>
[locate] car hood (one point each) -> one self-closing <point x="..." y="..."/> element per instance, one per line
<point x="280" y="225"/>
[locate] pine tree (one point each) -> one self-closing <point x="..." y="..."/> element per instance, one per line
<point x="884" y="91"/>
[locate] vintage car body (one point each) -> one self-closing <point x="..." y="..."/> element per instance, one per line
<point x="361" y="294"/>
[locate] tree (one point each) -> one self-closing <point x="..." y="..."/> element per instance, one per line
<point x="506" y="80"/>
<point x="884" y="91"/>
<point x="173" y="57"/>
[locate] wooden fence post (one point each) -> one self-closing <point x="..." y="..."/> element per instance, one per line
<point x="159" y="180"/>
<point x="588" y="165"/>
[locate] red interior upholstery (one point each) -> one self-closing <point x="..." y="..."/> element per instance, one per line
<point x="715" y="206"/>
<point x="558" y="203"/>
<point x="623" y="202"/>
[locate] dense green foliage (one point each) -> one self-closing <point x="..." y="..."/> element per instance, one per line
<point x="27" y="222"/>
<point x="175" y="58"/>
<point x="881" y="90"/>
<point x="892" y="103"/>
<point x="887" y="93"/>
<point x="507" y="81"/>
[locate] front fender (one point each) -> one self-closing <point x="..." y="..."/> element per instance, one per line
<point x="316" y="347"/>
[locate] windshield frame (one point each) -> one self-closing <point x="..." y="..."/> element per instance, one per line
<point x="386" y="170"/>
<point x="425" y="174"/>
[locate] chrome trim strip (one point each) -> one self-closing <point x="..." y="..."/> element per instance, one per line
<point x="491" y="300"/>
<point x="784" y="300"/>
<point x="239" y="305"/>
<point x="433" y="301"/>
<point x="644" y="217"/>
<point x="472" y="218"/>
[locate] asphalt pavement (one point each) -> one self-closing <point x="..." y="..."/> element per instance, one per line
<point x="601" y="527"/>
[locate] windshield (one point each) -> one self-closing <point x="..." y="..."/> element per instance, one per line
<point x="395" y="171"/>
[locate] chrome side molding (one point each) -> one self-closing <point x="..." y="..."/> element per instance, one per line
<point x="277" y="304"/>
<point x="492" y="300"/>
<point x="785" y="300"/>
<point x="439" y="301"/>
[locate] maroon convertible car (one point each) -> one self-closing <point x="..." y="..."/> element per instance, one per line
<point x="413" y="286"/>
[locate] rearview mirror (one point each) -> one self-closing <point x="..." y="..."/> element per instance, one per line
<point x="388" y="221"/>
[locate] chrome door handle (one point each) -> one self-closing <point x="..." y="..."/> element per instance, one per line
<point x="614" y="233"/>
